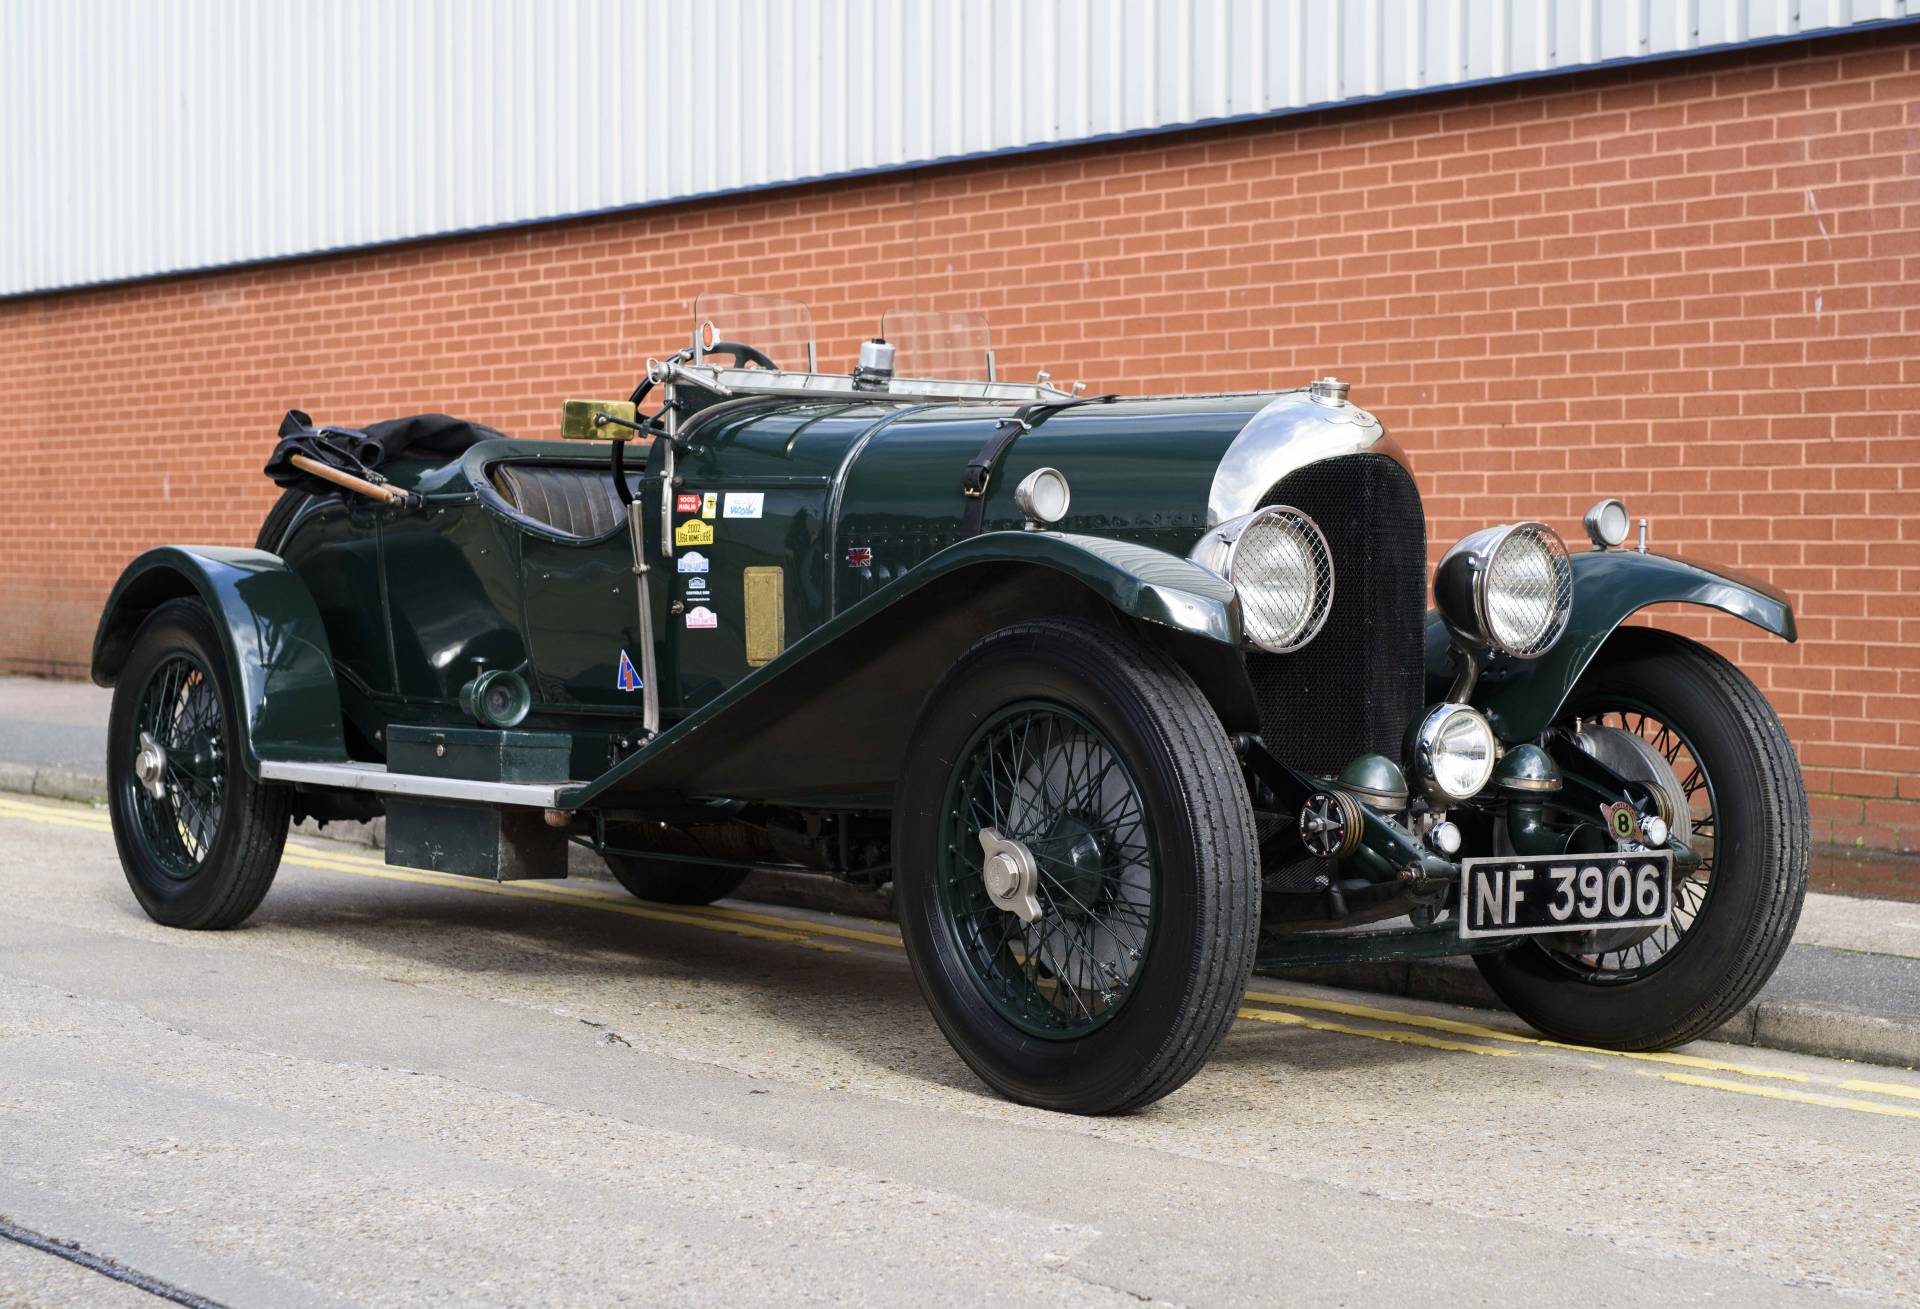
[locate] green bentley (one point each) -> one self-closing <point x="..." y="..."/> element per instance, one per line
<point x="1125" y="696"/>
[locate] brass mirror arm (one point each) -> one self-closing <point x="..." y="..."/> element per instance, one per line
<point x="603" y="419"/>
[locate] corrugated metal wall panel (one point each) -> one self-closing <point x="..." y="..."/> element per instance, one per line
<point x="183" y="134"/>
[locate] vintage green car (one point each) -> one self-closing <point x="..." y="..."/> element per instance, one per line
<point x="1126" y="697"/>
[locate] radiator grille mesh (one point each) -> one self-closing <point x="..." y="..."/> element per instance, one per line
<point x="1354" y="688"/>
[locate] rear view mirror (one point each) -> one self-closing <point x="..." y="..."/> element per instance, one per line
<point x="579" y="419"/>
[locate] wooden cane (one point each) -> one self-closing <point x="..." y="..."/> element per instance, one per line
<point x="372" y="490"/>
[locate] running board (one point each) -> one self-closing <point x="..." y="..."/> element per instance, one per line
<point x="375" y="777"/>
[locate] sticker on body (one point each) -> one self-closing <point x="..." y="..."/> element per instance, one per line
<point x="744" y="504"/>
<point x="695" y="531"/>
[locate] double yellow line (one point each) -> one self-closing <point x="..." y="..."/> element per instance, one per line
<point x="1280" y="1008"/>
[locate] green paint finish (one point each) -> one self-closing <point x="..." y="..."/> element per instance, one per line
<point x="480" y="753"/>
<point x="279" y="658"/>
<point x="1139" y="471"/>
<point x="1136" y="580"/>
<point x="335" y="549"/>
<point x="453" y="599"/>
<point x="506" y="844"/>
<point x="422" y="600"/>
<point x="1521" y="697"/>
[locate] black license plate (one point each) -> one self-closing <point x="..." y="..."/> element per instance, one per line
<point x="1508" y="895"/>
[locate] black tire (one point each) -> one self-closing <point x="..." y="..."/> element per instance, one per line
<point x="1196" y="830"/>
<point x="215" y="875"/>
<point x="667" y="882"/>
<point x="1746" y="918"/>
<point x="273" y="529"/>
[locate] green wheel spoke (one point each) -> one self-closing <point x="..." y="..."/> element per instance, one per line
<point x="180" y="710"/>
<point x="1043" y="775"/>
<point x="1691" y="891"/>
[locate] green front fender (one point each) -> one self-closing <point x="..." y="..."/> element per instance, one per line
<point x="278" y="657"/>
<point x="827" y="721"/>
<point x="1521" y="697"/>
<point x="1138" y="580"/>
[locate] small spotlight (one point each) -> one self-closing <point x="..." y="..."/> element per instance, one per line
<point x="1043" y="496"/>
<point x="1607" y="524"/>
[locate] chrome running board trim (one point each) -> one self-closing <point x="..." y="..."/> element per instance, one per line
<point x="375" y="777"/>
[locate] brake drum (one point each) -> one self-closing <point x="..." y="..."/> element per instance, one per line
<point x="1632" y="757"/>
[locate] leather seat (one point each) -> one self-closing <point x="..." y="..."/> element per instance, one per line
<point x="575" y="502"/>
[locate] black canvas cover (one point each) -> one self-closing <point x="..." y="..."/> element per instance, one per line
<point x="361" y="451"/>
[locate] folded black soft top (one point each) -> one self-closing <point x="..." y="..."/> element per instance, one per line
<point x="361" y="450"/>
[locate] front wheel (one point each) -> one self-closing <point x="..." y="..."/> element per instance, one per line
<point x="199" y="839"/>
<point x="1743" y="806"/>
<point x="1075" y="868"/>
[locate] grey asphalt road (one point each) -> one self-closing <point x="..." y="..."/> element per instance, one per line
<point x="395" y="1088"/>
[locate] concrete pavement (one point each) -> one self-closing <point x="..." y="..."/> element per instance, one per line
<point x="395" y="1088"/>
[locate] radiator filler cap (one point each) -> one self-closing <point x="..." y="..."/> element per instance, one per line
<point x="1328" y="390"/>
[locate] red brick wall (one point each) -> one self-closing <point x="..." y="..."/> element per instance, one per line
<point x="1690" y="284"/>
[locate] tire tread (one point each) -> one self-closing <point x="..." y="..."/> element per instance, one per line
<point x="248" y="853"/>
<point x="1784" y="830"/>
<point x="1220" y="816"/>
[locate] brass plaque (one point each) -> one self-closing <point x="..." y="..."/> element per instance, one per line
<point x="578" y="420"/>
<point x="766" y="606"/>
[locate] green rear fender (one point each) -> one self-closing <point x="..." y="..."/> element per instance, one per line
<point x="1521" y="697"/>
<point x="275" y="645"/>
<point x="828" y="720"/>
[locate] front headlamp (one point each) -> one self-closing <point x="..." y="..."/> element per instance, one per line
<point x="1450" y="753"/>
<point x="1508" y="589"/>
<point x="1281" y="569"/>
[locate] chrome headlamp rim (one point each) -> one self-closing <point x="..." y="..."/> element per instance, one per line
<point x="1426" y="734"/>
<point x="1561" y="563"/>
<point x="1219" y="548"/>
<point x="1461" y="589"/>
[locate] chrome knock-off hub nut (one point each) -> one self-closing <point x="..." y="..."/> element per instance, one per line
<point x="1011" y="875"/>
<point x="150" y="766"/>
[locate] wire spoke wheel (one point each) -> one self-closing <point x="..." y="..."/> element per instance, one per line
<point x="1040" y="774"/>
<point x="199" y="838"/>
<point x="1077" y="877"/>
<point x="1692" y="887"/>
<point x="177" y="787"/>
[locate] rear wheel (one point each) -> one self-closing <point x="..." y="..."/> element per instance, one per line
<point x="1745" y="811"/>
<point x="1075" y="868"/>
<point x="274" y="527"/>
<point x="670" y="881"/>
<point x="199" y="839"/>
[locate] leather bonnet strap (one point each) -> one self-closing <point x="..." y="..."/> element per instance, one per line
<point x="980" y="468"/>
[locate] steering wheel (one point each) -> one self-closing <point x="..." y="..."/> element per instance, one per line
<point x="742" y="354"/>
